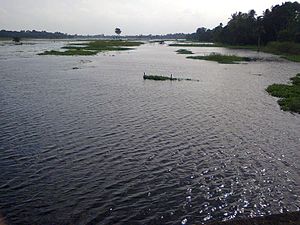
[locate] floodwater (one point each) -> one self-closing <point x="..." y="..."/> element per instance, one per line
<point x="99" y="145"/>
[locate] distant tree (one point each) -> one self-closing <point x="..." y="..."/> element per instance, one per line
<point x="16" y="39"/>
<point x="118" y="31"/>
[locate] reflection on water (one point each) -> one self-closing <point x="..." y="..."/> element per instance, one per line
<point x="99" y="145"/>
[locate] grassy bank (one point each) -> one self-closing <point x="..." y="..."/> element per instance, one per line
<point x="223" y="59"/>
<point x="94" y="47"/>
<point x="184" y="51"/>
<point x="194" y="45"/>
<point x="287" y="50"/>
<point x="289" y="94"/>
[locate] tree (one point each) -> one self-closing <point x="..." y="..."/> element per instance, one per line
<point x="118" y="31"/>
<point x="16" y="39"/>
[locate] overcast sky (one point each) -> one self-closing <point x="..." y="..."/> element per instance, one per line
<point x="132" y="16"/>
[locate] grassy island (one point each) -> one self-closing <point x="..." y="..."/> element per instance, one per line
<point x="163" y="78"/>
<point x="94" y="47"/>
<point x="156" y="77"/>
<point x="223" y="59"/>
<point x="289" y="94"/>
<point x="184" y="51"/>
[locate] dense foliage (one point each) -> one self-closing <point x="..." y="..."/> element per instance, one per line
<point x="280" y="23"/>
<point x="32" y="34"/>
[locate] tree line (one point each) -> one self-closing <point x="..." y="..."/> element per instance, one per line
<point x="59" y="35"/>
<point x="280" y="23"/>
<point x="32" y="34"/>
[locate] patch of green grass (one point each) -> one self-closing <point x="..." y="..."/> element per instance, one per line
<point x="248" y="47"/>
<point x="69" y="52"/>
<point x="223" y="59"/>
<point x="156" y="77"/>
<point x="195" y="45"/>
<point x="287" y="50"/>
<point x="94" y="47"/>
<point x="290" y="48"/>
<point x="293" y="58"/>
<point x="184" y="51"/>
<point x="163" y="78"/>
<point x="289" y="94"/>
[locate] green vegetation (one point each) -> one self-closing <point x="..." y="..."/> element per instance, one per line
<point x="16" y="39"/>
<point x="155" y="77"/>
<point x="279" y="23"/>
<point x="288" y="50"/>
<point x="69" y="52"/>
<point x="289" y="94"/>
<point x="94" y="47"/>
<point x="163" y="78"/>
<point x="195" y="45"/>
<point x="184" y="51"/>
<point x="223" y="59"/>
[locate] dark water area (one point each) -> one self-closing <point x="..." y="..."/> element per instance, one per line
<point x="99" y="145"/>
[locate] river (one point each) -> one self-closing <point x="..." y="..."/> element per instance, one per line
<point x="85" y="140"/>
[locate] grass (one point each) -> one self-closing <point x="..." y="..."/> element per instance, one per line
<point x="287" y="50"/>
<point x="223" y="59"/>
<point x="184" y="51"/>
<point x="163" y="78"/>
<point x="289" y="94"/>
<point x="94" y="47"/>
<point x="155" y="77"/>
<point x="195" y="45"/>
<point x="69" y="52"/>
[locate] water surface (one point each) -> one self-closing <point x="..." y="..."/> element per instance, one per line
<point x="99" y="145"/>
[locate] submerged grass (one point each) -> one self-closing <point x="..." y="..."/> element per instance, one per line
<point x="94" y="47"/>
<point x="184" y="51"/>
<point x="163" y="78"/>
<point x="289" y="94"/>
<point x="69" y="52"/>
<point x="223" y="59"/>
<point x="156" y="77"/>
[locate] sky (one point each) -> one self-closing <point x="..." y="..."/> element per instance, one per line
<point x="132" y="16"/>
